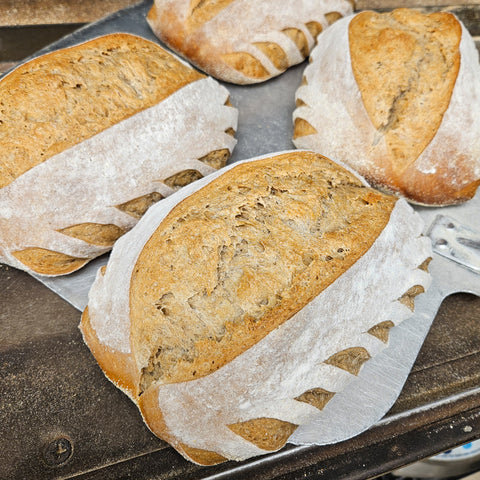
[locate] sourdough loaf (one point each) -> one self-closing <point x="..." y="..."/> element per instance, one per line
<point x="91" y="136"/>
<point x="405" y="89"/>
<point x="237" y="307"/>
<point x="243" y="41"/>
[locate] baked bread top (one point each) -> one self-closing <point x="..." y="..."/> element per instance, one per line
<point x="62" y="98"/>
<point x="406" y="100"/>
<point x="251" y="297"/>
<point x="91" y="136"/>
<point x="242" y="41"/>
<point x="406" y="65"/>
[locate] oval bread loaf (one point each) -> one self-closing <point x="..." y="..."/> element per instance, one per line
<point x="93" y="135"/>
<point x="243" y="41"/>
<point x="405" y="88"/>
<point x="237" y="308"/>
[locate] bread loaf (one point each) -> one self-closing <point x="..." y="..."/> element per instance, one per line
<point x="91" y="136"/>
<point x="237" y="307"/>
<point x="396" y="96"/>
<point x="243" y="41"/>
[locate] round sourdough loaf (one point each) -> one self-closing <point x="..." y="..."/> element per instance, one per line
<point x="91" y="136"/>
<point x="244" y="41"/>
<point x="238" y="306"/>
<point x="397" y="97"/>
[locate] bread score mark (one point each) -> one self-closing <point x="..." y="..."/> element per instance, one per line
<point x="233" y="229"/>
<point x="70" y="105"/>
<point x="416" y="59"/>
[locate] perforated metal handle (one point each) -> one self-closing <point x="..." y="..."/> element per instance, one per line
<point x="455" y="241"/>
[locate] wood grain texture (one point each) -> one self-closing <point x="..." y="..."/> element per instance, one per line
<point x="376" y="4"/>
<point x="52" y="387"/>
<point x="27" y="26"/>
<point x="449" y="361"/>
<point x="18" y="42"/>
<point x="42" y="12"/>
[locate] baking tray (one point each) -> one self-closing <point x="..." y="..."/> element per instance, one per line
<point x="265" y="126"/>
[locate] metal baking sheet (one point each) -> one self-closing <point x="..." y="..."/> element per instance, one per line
<point x="265" y="126"/>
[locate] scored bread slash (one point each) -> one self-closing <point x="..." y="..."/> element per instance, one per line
<point x="244" y="41"/>
<point x="92" y="136"/>
<point x="238" y="307"/>
<point x="405" y="88"/>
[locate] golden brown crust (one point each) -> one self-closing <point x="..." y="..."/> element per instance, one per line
<point x="382" y="330"/>
<point x="302" y="220"/>
<point x="317" y="397"/>
<point x="182" y="178"/>
<point x="138" y="206"/>
<point x="148" y="404"/>
<point x="408" y="298"/>
<point x="438" y="189"/>
<point x="413" y="116"/>
<point x="231" y="46"/>
<point x="301" y="127"/>
<point x="315" y="28"/>
<point x="58" y="100"/>
<point x="48" y="262"/>
<point x="95" y="233"/>
<point x="202" y="11"/>
<point x="118" y="367"/>
<point x="332" y="17"/>
<point x="218" y="158"/>
<point x="397" y="58"/>
<point x="50" y="105"/>
<point x="275" y="53"/>
<point x="200" y="456"/>
<point x="299" y="39"/>
<point x="247" y="64"/>
<point x="152" y="415"/>
<point x="199" y="319"/>
<point x="266" y="433"/>
<point x="350" y="360"/>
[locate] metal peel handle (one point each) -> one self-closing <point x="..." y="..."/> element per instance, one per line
<point x="455" y="241"/>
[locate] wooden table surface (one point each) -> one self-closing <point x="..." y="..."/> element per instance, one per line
<point x="60" y="417"/>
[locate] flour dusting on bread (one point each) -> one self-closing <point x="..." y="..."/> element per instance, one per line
<point x="62" y="211"/>
<point x="243" y="41"/>
<point x="409" y="127"/>
<point x="249" y="298"/>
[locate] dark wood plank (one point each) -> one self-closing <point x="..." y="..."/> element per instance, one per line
<point x="449" y="361"/>
<point x="375" y="4"/>
<point x="21" y="41"/>
<point x="47" y="12"/>
<point x="52" y="389"/>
